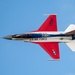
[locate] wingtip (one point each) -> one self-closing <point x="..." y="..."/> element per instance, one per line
<point x="49" y="14"/>
<point x="53" y="59"/>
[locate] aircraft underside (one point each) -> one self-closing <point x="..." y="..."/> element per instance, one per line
<point x="48" y="37"/>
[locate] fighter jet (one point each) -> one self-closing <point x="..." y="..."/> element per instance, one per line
<point x="48" y="37"/>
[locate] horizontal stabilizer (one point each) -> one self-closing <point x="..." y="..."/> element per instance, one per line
<point x="70" y="29"/>
<point x="71" y="45"/>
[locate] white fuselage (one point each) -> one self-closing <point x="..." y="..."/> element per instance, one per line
<point x="55" y="37"/>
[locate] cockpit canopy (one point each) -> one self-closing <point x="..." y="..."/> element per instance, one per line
<point x="27" y="36"/>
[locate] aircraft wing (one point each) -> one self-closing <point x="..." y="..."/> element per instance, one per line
<point x="51" y="48"/>
<point x="50" y="24"/>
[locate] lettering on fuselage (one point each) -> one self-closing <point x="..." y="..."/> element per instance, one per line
<point x="42" y="38"/>
<point x="32" y="39"/>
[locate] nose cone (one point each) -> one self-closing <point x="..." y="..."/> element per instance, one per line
<point x="8" y="37"/>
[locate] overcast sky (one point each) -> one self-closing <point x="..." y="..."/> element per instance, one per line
<point x="21" y="58"/>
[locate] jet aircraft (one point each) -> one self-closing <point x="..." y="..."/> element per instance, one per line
<point x="48" y="37"/>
